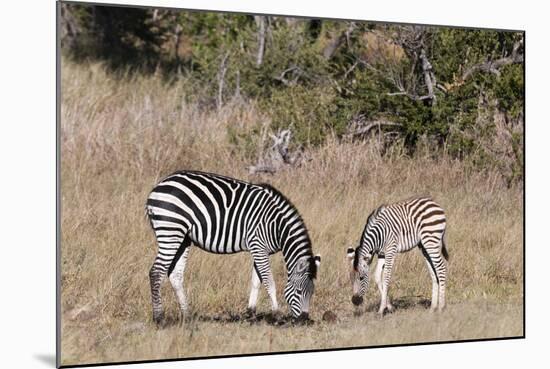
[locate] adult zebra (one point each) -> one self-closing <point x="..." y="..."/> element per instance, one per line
<point x="223" y="215"/>
<point x="399" y="228"/>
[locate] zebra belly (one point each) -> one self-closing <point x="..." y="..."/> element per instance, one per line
<point x="221" y="247"/>
<point x="407" y="242"/>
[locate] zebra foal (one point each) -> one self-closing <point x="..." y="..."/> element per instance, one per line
<point x="223" y="215"/>
<point x="396" y="228"/>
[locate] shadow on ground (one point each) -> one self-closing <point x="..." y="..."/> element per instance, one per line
<point x="403" y="303"/>
<point x="237" y="317"/>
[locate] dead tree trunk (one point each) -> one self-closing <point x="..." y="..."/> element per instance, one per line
<point x="335" y="43"/>
<point x="221" y="80"/>
<point x="429" y="77"/>
<point x="177" y="39"/>
<point x="261" y="22"/>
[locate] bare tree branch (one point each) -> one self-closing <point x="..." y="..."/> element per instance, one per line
<point x="381" y="74"/>
<point x="351" y="69"/>
<point x="493" y="66"/>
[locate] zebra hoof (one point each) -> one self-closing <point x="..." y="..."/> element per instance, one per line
<point x="184" y="316"/>
<point x="302" y="319"/>
<point x="158" y="318"/>
<point x="274" y="317"/>
<point x="249" y="313"/>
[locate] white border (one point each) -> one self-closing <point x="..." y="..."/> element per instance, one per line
<point x="27" y="154"/>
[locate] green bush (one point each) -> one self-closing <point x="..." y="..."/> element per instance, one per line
<point x="317" y="76"/>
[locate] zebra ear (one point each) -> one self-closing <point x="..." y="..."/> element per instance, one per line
<point x="317" y="259"/>
<point x="302" y="264"/>
<point x="350" y="253"/>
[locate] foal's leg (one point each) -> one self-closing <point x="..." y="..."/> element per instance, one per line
<point x="386" y="277"/>
<point x="435" y="283"/>
<point x="378" y="278"/>
<point x="433" y="248"/>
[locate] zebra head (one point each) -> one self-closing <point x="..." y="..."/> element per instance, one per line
<point x="299" y="288"/>
<point x="359" y="269"/>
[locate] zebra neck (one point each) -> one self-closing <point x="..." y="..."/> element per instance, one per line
<point x="369" y="248"/>
<point x="290" y="236"/>
<point x="295" y="247"/>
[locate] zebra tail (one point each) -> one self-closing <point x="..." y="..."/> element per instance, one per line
<point x="444" y="250"/>
<point x="147" y="215"/>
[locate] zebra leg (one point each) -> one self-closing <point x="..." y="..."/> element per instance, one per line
<point x="156" y="276"/>
<point x="442" y="275"/>
<point x="176" y="279"/>
<point x="435" y="282"/>
<point x="386" y="277"/>
<point x="378" y="278"/>
<point x="254" y="290"/>
<point x="438" y="264"/>
<point x="172" y="242"/>
<point x="261" y="264"/>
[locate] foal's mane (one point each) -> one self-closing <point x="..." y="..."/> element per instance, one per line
<point x="370" y="220"/>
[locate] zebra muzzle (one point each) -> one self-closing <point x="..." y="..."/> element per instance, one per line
<point x="303" y="316"/>
<point x="357" y="300"/>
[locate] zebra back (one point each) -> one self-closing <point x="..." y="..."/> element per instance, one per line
<point x="407" y="220"/>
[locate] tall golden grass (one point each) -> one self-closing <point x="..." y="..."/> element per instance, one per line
<point x="120" y="135"/>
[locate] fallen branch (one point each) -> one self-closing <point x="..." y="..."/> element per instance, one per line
<point x="281" y="78"/>
<point x="364" y="128"/>
<point x="277" y="156"/>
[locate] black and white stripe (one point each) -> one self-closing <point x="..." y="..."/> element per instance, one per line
<point x="396" y="228"/>
<point x="223" y="215"/>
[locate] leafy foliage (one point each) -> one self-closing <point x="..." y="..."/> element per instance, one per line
<point x="446" y="85"/>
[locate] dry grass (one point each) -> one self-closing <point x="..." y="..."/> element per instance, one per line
<point x="119" y="136"/>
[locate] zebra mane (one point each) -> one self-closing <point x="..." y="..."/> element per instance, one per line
<point x="370" y="219"/>
<point x="312" y="268"/>
<point x="277" y="193"/>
